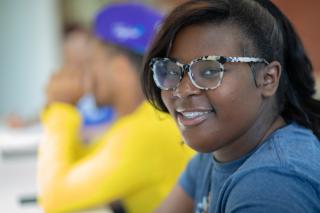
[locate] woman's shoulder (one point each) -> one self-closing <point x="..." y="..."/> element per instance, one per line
<point x="290" y="144"/>
<point x="275" y="190"/>
<point x="283" y="172"/>
<point x="292" y="150"/>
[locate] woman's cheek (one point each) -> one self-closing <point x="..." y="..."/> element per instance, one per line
<point x="166" y="98"/>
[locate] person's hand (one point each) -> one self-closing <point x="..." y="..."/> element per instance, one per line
<point x="66" y="86"/>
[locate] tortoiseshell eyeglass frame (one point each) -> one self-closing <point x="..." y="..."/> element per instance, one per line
<point x="187" y="68"/>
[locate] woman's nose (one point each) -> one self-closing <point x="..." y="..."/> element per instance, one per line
<point x="186" y="88"/>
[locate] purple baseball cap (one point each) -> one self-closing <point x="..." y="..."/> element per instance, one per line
<point x="128" y="25"/>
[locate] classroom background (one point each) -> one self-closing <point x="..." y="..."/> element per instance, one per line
<point x="31" y="50"/>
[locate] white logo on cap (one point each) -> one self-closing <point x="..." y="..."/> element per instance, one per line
<point x="125" y="32"/>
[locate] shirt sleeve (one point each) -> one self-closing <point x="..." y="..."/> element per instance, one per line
<point x="188" y="178"/>
<point x="270" y="191"/>
<point x="68" y="183"/>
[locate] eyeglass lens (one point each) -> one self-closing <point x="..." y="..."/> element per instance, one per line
<point x="204" y="73"/>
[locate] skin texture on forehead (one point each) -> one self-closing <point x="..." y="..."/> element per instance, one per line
<point x="239" y="114"/>
<point x="232" y="40"/>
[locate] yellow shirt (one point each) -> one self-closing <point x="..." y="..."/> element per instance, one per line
<point x="137" y="161"/>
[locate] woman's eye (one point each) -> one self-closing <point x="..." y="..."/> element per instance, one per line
<point x="209" y="72"/>
<point x="173" y="73"/>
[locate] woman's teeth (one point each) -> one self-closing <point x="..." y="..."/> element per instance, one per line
<point x="192" y="118"/>
<point x="192" y="115"/>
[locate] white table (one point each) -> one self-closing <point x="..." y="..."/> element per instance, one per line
<point x="18" y="168"/>
<point x="17" y="180"/>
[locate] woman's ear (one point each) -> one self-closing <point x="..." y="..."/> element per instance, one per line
<point x="269" y="78"/>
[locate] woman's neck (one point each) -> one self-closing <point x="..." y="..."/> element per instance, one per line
<point x="258" y="132"/>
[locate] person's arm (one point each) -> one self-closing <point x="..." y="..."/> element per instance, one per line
<point x="177" y="201"/>
<point x="270" y="191"/>
<point x="68" y="183"/>
<point x="181" y="198"/>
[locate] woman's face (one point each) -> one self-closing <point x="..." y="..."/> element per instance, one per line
<point x="222" y="120"/>
<point x="102" y="73"/>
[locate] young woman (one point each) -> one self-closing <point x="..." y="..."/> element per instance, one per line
<point x="236" y="78"/>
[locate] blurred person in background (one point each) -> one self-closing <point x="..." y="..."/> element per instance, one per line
<point x="76" y="49"/>
<point x="167" y="5"/>
<point x="75" y="46"/>
<point x="76" y="42"/>
<point x="134" y="165"/>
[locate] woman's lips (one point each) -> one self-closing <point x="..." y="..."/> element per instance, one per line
<point x="192" y="118"/>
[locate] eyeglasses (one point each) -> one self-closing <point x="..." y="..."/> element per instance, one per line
<point x="205" y="72"/>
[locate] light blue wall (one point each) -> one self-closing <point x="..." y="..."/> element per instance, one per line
<point x="29" y="52"/>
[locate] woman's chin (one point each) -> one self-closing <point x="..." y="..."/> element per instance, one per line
<point x="199" y="146"/>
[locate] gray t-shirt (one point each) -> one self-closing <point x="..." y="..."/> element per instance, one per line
<point x="281" y="175"/>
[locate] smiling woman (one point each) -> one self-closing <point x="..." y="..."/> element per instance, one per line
<point x="236" y="78"/>
<point x="222" y="106"/>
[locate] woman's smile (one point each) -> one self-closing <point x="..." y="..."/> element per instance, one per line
<point x="192" y="117"/>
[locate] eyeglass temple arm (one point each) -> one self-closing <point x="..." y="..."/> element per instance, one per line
<point x="245" y="60"/>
